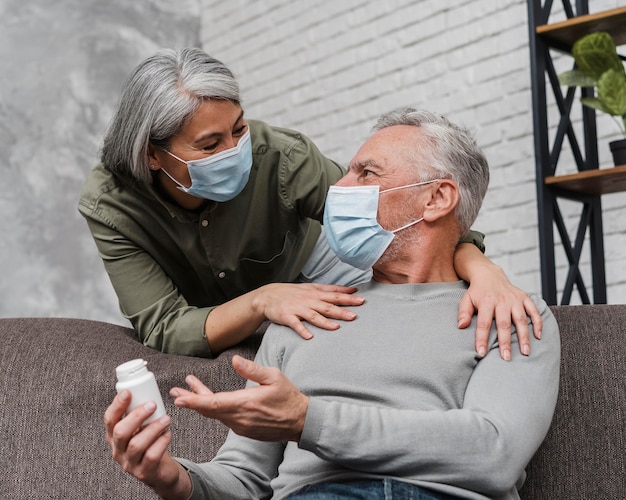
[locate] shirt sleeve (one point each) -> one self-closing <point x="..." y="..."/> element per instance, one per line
<point x="147" y="296"/>
<point x="475" y="238"/>
<point x="305" y="176"/>
<point x="484" y="446"/>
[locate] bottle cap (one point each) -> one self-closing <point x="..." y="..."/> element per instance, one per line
<point x="128" y="370"/>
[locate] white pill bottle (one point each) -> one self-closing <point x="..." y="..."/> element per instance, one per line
<point x="135" y="377"/>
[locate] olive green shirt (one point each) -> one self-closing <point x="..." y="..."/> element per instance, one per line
<point x="170" y="267"/>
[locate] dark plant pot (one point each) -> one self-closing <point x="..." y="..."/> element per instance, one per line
<point x="618" y="149"/>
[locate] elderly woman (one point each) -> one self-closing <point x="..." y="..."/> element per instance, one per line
<point x="209" y="224"/>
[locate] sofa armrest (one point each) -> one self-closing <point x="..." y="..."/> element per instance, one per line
<point x="58" y="377"/>
<point x="584" y="453"/>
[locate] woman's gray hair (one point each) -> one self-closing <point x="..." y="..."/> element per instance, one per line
<point x="446" y="151"/>
<point x="160" y="96"/>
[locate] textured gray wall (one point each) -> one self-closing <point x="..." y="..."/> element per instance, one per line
<point x="62" y="64"/>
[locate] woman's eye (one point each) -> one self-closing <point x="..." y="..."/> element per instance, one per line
<point x="210" y="147"/>
<point x="240" y="130"/>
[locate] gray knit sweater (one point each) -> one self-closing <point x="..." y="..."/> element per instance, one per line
<point x="400" y="393"/>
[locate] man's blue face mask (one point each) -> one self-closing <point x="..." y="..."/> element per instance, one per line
<point x="219" y="177"/>
<point x="351" y="227"/>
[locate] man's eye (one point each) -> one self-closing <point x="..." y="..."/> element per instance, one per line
<point x="210" y="147"/>
<point x="240" y="130"/>
<point x="366" y="173"/>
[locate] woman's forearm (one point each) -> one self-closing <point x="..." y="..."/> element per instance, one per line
<point x="232" y="322"/>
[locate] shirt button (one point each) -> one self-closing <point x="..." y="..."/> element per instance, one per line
<point x="205" y="223"/>
<point x="222" y="274"/>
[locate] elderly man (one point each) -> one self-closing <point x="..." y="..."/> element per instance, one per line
<point x="397" y="405"/>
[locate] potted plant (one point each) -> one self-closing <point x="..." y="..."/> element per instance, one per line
<point x="599" y="66"/>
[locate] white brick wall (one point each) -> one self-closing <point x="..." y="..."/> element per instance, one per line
<point x="328" y="68"/>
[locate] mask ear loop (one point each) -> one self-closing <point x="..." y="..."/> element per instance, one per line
<point x="407" y="225"/>
<point x="179" y="185"/>
<point x="174" y="156"/>
<point x="423" y="183"/>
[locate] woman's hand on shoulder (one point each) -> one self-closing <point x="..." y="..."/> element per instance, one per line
<point x="495" y="297"/>
<point x="293" y="304"/>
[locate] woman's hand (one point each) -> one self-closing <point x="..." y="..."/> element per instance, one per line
<point x="288" y="304"/>
<point x="142" y="452"/>
<point x="493" y="296"/>
<point x="317" y="304"/>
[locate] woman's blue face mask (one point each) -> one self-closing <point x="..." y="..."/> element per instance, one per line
<point x="219" y="177"/>
<point x="351" y="227"/>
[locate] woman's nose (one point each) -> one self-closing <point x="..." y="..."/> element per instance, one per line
<point x="231" y="142"/>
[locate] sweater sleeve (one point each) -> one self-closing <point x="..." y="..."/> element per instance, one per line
<point x="243" y="467"/>
<point x="484" y="446"/>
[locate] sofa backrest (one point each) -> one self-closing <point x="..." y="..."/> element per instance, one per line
<point x="584" y="453"/>
<point x="57" y="377"/>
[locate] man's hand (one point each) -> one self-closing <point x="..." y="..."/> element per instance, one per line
<point x="272" y="411"/>
<point x="142" y="452"/>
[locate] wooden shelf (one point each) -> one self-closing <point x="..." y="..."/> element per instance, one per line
<point x="563" y="35"/>
<point x="593" y="182"/>
<point x="586" y="187"/>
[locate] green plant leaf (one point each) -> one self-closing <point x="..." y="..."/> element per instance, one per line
<point x="612" y="92"/>
<point x="576" y="78"/>
<point x="593" y="102"/>
<point x="595" y="54"/>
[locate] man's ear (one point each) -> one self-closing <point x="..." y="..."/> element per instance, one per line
<point x="443" y="200"/>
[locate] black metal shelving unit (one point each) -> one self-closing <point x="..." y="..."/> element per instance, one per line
<point x="589" y="183"/>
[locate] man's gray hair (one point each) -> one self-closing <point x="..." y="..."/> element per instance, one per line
<point x="160" y="96"/>
<point x="446" y="151"/>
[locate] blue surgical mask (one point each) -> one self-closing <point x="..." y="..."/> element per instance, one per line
<point x="351" y="227"/>
<point x="219" y="177"/>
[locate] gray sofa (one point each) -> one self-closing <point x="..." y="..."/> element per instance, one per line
<point x="58" y="376"/>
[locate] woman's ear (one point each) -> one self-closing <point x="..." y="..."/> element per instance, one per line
<point x="153" y="161"/>
<point x="444" y="198"/>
